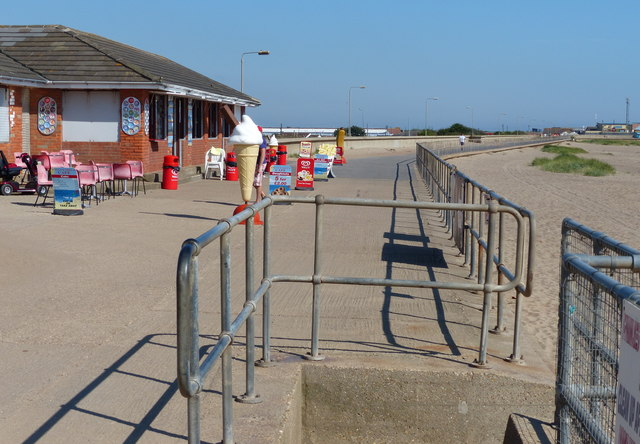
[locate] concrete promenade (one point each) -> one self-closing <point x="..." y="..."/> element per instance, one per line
<point x="87" y="321"/>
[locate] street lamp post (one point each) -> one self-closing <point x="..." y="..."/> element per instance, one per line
<point x="350" y="88"/>
<point x="471" y="108"/>
<point x="426" y="112"/>
<point x="502" y="121"/>
<point x="262" y="52"/>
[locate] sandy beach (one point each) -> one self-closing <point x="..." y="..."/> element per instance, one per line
<point x="608" y="204"/>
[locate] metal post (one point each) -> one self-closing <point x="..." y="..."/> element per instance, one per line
<point x="564" y="345"/>
<point x="188" y="339"/>
<point x="481" y="251"/>
<point x="515" y="355"/>
<point x="467" y="224"/>
<point x="266" y="299"/>
<point x="474" y="247"/>
<point x="193" y="418"/>
<point x="317" y="269"/>
<point x="449" y="198"/>
<point x="488" y="286"/>
<point x="227" y="356"/>
<point x="500" y="327"/>
<point x="249" y="397"/>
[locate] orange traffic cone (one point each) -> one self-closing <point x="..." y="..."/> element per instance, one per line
<point x="256" y="217"/>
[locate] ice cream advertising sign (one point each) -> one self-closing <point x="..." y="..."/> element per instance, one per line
<point x="304" y="174"/>
<point x="280" y="180"/>
<point x="305" y="149"/>
<point x="66" y="192"/>
<point x="321" y="168"/>
<point x="246" y="139"/>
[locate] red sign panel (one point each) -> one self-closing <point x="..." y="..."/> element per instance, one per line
<point x="304" y="175"/>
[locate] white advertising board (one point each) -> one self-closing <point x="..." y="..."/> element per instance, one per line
<point x="628" y="390"/>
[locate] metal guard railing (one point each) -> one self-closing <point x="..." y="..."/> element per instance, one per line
<point x="597" y="274"/>
<point x="447" y="184"/>
<point x="452" y="146"/>
<point x="192" y="372"/>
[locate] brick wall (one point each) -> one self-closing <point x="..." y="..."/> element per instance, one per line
<point x="135" y="147"/>
<point x="15" y="126"/>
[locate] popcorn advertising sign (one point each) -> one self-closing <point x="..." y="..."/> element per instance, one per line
<point x="280" y="180"/>
<point x="304" y="175"/>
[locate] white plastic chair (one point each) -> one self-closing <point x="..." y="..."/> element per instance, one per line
<point x="214" y="159"/>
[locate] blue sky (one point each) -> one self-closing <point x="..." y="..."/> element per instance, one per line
<point x="510" y="63"/>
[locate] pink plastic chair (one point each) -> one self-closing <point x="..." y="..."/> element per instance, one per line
<point x="69" y="158"/>
<point x="44" y="184"/>
<point x="137" y="172"/>
<point x="105" y="179"/>
<point x="43" y="158"/>
<point x="87" y="179"/>
<point x="122" y="173"/>
<point x="57" y="160"/>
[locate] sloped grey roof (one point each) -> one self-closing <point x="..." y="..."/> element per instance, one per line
<point x="59" y="56"/>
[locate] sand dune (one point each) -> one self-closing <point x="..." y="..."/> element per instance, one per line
<point x="608" y="204"/>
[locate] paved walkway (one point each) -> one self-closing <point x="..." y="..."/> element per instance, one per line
<point x="87" y="325"/>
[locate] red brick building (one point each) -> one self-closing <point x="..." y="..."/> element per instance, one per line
<point x="61" y="88"/>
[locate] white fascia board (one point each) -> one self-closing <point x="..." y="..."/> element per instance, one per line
<point x="169" y="89"/>
<point x="203" y="95"/>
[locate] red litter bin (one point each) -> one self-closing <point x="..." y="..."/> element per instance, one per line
<point x="170" y="169"/>
<point x="232" y="167"/>
<point x="282" y="154"/>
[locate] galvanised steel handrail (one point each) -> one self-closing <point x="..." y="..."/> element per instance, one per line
<point x="590" y="319"/>
<point x="447" y="184"/>
<point x="192" y="372"/>
<point x="452" y="146"/>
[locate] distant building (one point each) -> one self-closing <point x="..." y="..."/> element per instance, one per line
<point x="614" y="128"/>
<point x="557" y="130"/>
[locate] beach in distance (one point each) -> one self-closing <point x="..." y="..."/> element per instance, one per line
<point x="609" y="204"/>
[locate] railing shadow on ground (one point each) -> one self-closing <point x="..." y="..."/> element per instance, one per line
<point x="192" y="370"/>
<point x="419" y="255"/>
<point x="138" y="427"/>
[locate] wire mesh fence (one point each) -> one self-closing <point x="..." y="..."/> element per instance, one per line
<point x="590" y="318"/>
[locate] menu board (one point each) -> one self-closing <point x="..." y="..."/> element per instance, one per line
<point x="47" y="115"/>
<point x="131" y="114"/>
<point x="66" y="192"/>
<point x="280" y="180"/>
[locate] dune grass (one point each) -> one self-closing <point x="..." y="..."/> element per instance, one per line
<point x="557" y="149"/>
<point x="621" y="142"/>
<point x="567" y="162"/>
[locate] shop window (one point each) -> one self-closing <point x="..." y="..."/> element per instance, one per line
<point x="158" y="117"/>
<point x="91" y="116"/>
<point x="197" y="120"/>
<point x="180" y="119"/>
<point x="213" y="120"/>
<point x="227" y="127"/>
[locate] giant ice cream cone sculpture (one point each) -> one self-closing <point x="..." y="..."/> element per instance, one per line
<point x="246" y="139"/>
